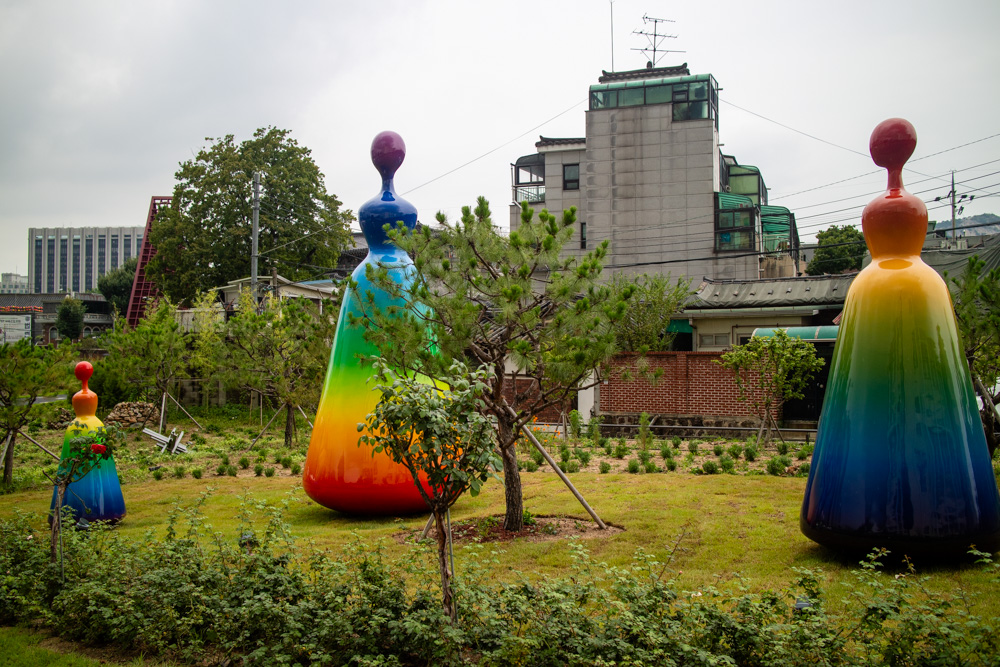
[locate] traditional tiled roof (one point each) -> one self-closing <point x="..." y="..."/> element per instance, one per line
<point x="558" y="141"/>
<point x="645" y="73"/>
<point x="819" y="291"/>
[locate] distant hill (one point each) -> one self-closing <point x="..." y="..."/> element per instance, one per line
<point x="974" y="225"/>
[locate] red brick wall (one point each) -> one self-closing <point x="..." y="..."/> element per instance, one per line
<point x="692" y="383"/>
<point x="551" y="414"/>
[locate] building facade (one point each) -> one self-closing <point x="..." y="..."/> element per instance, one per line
<point x="650" y="178"/>
<point x="13" y="283"/>
<point x="71" y="259"/>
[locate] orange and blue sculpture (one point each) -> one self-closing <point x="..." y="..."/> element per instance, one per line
<point x="900" y="459"/>
<point x="339" y="474"/>
<point x="98" y="495"/>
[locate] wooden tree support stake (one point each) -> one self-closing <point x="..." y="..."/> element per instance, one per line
<point x="305" y="416"/>
<point x="268" y="425"/>
<point x="25" y="435"/>
<point x="182" y="410"/>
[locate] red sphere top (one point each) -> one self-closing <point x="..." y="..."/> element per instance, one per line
<point x="388" y="151"/>
<point x="84" y="370"/>
<point x="892" y="143"/>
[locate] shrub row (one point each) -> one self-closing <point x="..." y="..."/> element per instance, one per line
<point x="260" y="600"/>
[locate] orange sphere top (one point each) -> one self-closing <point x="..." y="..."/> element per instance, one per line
<point x="84" y="401"/>
<point x="894" y="224"/>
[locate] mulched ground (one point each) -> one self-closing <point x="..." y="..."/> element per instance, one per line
<point x="544" y="529"/>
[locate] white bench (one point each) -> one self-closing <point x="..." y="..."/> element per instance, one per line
<point x="171" y="442"/>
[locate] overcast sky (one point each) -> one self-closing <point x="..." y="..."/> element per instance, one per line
<point x="101" y="100"/>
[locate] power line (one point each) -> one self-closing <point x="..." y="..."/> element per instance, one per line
<point x="788" y="127"/>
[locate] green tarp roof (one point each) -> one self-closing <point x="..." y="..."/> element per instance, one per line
<point x="727" y="201"/>
<point x="815" y="334"/>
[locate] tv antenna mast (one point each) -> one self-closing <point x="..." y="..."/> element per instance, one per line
<point x="655" y="39"/>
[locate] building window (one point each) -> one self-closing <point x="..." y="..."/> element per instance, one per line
<point x="102" y="255"/>
<point x="128" y="247"/>
<point x="63" y="263"/>
<point x="138" y="245"/>
<point x="734" y="230"/>
<point x="631" y="97"/>
<point x="88" y="264"/>
<point x="571" y="177"/>
<point x="38" y="264"/>
<point x="114" y="252"/>
<point x="713" y="340"/>
<point x="583" y="236"/>
<point x="76" y="263"/>
<point x="50" y="264"/>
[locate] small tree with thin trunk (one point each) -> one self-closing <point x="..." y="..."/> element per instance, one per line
<point x="27" y="372"/>
<point x="976" y="294"/>
<point x="441" y="437"/>
<point x="69" y="318"/>
<point x="542" y="324"/>
<point x="769" y="371"/>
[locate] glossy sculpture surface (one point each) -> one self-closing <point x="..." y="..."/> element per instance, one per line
<point x="338" y="473"/>
<point x="900" y="459"/>
<point x="98" y="495"/>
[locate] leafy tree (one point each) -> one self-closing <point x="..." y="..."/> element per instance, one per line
<point x="976" y="296"/>
<point x="280" y="349"/>
<point x="654" y="300"/>
<point x="116" y="285"/>
<point x="509" y="303"/>
<point x="69" y="318"/>
<point x="154" y="354"/>
<point x="839" y="249"/>
<point x="204" y="240"/>
<point x="769" y="371"/>
<point x="441" y="437"/>
<point x="27" y="372"/>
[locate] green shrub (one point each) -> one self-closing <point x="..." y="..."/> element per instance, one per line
<point x="258" y="469"/>
<point x="644" y="456"/>
<point x="537" y="458"/>
<point x="196" y="473"/>
<point x="671" y="464"/>
<point x="594" y="429"/>
<point x="583" y="455"/>
<point x="606" y="446"/>
<point x="634" y="466"/>
<point x="804" y="452"/>
<point x="676" y="441"/>
<point x="225" y="459"/>
<point x="735" y="451"/>
<point x="564" y="454"/>
<point x="776" y="465"/>
<point x="727" y="464"/>
<point x="621" y="449"/>
<point x="710" y="467"/>
<point x="718" y="449"/>
<point x="221" y="469"/>
<point x="750" y="452"/>
<point x="296" y="469"/>
<point x="570" y="466"/>
<point x="575" y="424"/>
<point x="530" y="465"/>
<point x="605" y="467"/>
<point x="244" y="462"/>
<point x="269" y="471"/>
<point x="650" y="466"/>
<point x="644" y="434"/>
<point x="803" y="470"/>
<point x="666" y="452"/>
<point x="157" y="475"/>
<point x="693" y="446"/>
<point x="286" y="462"/>
<point x="231" y="470"/>
<point x="179" y="472"/>
<point x="782" y="448"/>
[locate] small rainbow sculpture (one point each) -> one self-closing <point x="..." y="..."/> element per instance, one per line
<point x="98" y="495"/>
<point x="900" y="460"/>
<point x="338" y="473"/>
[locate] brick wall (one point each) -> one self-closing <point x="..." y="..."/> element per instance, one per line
<point x="692" y="383"/>
<point x="552" y="414"/>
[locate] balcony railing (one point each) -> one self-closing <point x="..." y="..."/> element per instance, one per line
<point x="529" y="193"/>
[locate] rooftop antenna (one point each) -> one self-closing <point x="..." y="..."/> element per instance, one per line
<point x="611" y="3"/>
<point x="655" y="39"/>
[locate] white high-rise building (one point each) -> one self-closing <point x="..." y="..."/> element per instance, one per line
<point x="71" y="259"/>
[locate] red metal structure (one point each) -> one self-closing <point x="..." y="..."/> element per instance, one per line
<point x="143" y="290"/>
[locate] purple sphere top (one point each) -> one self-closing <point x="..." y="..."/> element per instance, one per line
<point x="388" y="151"/>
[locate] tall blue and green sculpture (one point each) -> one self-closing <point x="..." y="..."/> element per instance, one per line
<point x="98" y="495"/>
<point x="338" y="473"/>
<point x="900" y="459"/>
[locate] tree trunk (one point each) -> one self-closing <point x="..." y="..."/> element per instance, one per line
<point x="514" y="516"/>
<point x="447" y="601"/>
<point x="57" y="521"/>
<point x="289" y="424"/>
<point x="8" y="460"/>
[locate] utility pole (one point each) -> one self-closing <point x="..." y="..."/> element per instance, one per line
<point x="274" y="281"/>
<point x="255" y="232"/>
<point x="655" y="39"/>
<point x="956" y="203"/>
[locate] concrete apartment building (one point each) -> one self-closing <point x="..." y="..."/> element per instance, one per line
<point x="649" y="177"/>
<point x="71" y="259"/>
<point x="13" y="283"/>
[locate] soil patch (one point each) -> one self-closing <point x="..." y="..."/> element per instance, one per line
<point x="543" y="529"/>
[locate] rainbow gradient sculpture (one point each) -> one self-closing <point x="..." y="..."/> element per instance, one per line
<point x="900" y="459"/>
<point x="98" y="495"/>
<point x="338" y="473"/>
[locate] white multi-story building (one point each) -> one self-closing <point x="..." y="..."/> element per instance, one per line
<point x="650" y="178"/>
<point x="71" y="259"/>
<point x="13" y="283"/>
